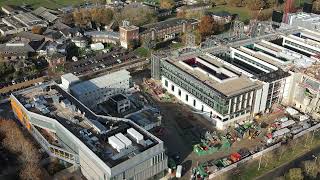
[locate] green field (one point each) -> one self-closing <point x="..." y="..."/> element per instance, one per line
<point x="46" y="3"/>
<point x="243" y="12"/>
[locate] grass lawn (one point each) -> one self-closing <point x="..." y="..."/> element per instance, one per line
<point x="250" y="171"/>
<point x="243" y="12"/>
<point x="46" y="3"/>
<point x="143" y="52"/>
<point x="176" y="45"/>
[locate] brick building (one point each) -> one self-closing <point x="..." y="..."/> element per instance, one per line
<point x="128" y="34"/>
<point x="168" y="29"/>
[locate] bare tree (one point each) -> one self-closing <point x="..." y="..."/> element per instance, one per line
<point x="255" y="4"/>
<point x="236" y="3"/>
<point x="30" y="172"/>
<point x="316" y="6"/>
<point x="281" y="151"/>
<point x="137" y="15"/>
<point x="16" y="142"/>
<point x="310" y="168"/>
<point x="294" y="174"/>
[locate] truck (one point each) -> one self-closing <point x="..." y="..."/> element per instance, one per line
<point x="179" y="171"/>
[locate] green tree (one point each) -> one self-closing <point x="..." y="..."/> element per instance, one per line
<point x="6" y="69"/>
<point x="294" y="174"/>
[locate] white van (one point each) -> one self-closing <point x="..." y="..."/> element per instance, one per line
<point x="179" y="171"/>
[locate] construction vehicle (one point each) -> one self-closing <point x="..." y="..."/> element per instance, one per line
<point x="203" y="170"/>
<point x="211" y="143"/>
<point x="235" y="157"/>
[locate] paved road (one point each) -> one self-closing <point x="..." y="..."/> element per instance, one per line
<point x="280" y="171"/>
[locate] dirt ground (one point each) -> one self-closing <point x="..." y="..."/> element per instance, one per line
<point x="183" y="129"/>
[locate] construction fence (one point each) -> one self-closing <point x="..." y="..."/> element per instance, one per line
<point x="259" y="154"/>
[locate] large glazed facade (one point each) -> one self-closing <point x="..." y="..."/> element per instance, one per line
<point x="223" y="106"/>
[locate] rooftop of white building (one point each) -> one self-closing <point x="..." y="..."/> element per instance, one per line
<point x="99" y="82"/>
<point x="306" y="17"/>
<point x="49" y="100"/>
<point x="214" y="73"/>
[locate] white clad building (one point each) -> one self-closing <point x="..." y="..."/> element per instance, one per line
<point x="99" y="89"/>
<point x="306" y="20"/>
<point x="209" y="86"/>
<point x="261" y="66"/>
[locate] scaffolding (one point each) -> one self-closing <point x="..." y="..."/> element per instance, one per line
<point x="237" y="29"/>
<point x="190" y="40"/>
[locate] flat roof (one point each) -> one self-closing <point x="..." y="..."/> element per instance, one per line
<point x="70" y="77"/>
<point x="109" y="34"/>
<point x="119" y="97"/>
<point x="99" y="82"/>
<point x="273" y="48"/>
<point x="12" y="48"/>
<point x="272" y="60"/>
<point x="51" y="101"/>
<point x="311" y="34"/>
<point x="231" y="86"/>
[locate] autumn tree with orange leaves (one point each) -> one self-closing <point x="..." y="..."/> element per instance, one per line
<point x="207" y="26"/>
<point x="37" y="30"/>
<point x="167" y="4"/>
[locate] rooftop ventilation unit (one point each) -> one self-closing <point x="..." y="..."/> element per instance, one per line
<point x="135" y="135"/>
<point x="116" y="143"/>
<point x="124" y="139"/>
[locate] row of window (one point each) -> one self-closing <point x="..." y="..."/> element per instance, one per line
<point x="179" y="93"/>
<point x="241" y="102"/>
<point x="253" y="62"/>
<point x="301" y="47"/>
<point x="157" y="159"/>
<point x="184" y="81"/>
<point x="169" y="69"/>
<point x="237" y="114"/>
<point x="218" y="106"/>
